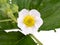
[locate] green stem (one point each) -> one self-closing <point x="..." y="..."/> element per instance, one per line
<point x="33" y="37"/>
<point x="5" y="20"/>
<point x="13" y="17"/>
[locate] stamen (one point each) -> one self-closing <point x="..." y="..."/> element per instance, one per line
<point x="29" y="21"/>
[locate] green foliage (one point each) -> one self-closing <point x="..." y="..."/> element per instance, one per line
<point x="9" y="38"/>
<point x="49" y="9"/>
<point x="27" y="4"/>
<point x="15" y="38"/>
<point x="3" y="1"/>
<point x="50" y="13"/>
<point x="26" y="41"/>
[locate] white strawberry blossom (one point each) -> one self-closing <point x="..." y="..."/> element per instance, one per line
<point x="29" y="21"/>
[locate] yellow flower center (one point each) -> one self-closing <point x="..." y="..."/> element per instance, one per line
<point x="29" y="21"/>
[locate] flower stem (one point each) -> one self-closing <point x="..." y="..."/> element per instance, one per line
<point x="5" y="20"/>
<point x="33" y="37"/>
<point x="13" y="17"/>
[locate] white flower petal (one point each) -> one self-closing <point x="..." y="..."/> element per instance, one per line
<point x="34" y="13"/>
<point x="39" y="22"/>
<point x="19" y="23"/>
<point x="31" y="30"/>
<point x="22" y="26"/>
<point x="34" y="30"/>
<point x="23" y="12"/>
<point x="26" y="30"/>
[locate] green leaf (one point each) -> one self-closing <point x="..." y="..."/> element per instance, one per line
<point x="27" y="4"/>
<point x="10" y="38"/>
<point x="26" y="41"/>
<point x="50" y="12"/>
<point x="15" y="38"/>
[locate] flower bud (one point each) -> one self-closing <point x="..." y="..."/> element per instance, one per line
<point x="14" y="8"/>
<point x="5" y="7"/>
